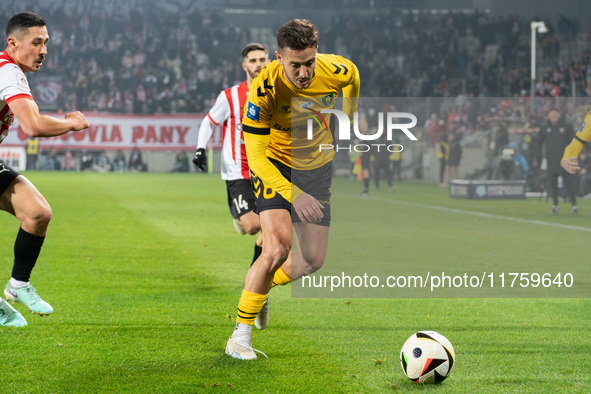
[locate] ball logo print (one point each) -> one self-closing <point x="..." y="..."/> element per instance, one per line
<point x="427" y="357"/>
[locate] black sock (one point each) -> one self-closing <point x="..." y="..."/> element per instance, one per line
<point x="366" y="183"/>
<point x="26" y="250"/>
<point x="257" y="252"/>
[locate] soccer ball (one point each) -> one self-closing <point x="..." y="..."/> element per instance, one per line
<point x="427" y="357"/>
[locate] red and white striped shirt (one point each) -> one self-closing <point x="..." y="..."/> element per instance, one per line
<point x="228" y="109"/>
<point x="13" y="85"/>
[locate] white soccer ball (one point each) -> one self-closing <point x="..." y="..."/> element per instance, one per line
<point x="427" y="357"/>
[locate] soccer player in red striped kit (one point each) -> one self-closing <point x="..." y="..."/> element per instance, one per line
<point x="25" y="52"/>
<point x="228" y="111"/>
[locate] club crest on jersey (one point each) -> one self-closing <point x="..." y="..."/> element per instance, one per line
<point x="253" y="112"/>
<point x="327" y="100"/>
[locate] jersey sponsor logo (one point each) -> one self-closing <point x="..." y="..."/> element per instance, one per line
<point x="277" y="126"/>
<point x="327" y="100"/>
<point x="253" y="112"/>
<point x="306" y="105"/>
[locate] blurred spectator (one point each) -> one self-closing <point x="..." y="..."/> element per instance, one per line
<point x="182" y="162"/>
<point x="136" y="162"/>
<point x="68" y="162"/>
<point x="433" y="129"/>
<point x="102" y="163"/>
<point x="119" y="161"/>
<point x="86" y="161"/>
<point x="443" y="156"/>
<point x="396" y="160"/>
<point x="501" y="136"/>
<point x="519" y="159"/>
<point x="382" y="163"/>
<point x="555" y="134"/>
<point x="32" y="153"/>
<point x="453" y="161"/>
<point x="50" y="161"/>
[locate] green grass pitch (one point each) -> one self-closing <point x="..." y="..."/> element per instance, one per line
<point x="145" y="271"/>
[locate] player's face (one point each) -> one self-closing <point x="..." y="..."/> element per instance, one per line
<point x="298" y="66"/>
<point x="30" y="52"/>
<point x="254" y="62"/>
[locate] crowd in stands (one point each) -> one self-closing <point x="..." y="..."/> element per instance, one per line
<point x="153" y="61"/>
<point x="150" y="60"/>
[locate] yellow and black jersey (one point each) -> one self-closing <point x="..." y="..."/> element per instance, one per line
<point x="582" y="137"/>
<point x="269" y="112"/>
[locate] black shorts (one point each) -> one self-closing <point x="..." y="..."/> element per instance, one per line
<point x="315" y="182"/>
<point x="7" y="176"/>
<point x="240" y="197"/>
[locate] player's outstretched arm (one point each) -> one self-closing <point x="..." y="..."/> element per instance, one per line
<point x="36" y="125"/>
<point x="570" y="164"/>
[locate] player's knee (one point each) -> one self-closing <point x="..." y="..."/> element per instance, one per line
<point x="41" y="215"/>
<point x="276" y="254"/>
<point x="252" y="228"/>
<point x="314" y="260"/>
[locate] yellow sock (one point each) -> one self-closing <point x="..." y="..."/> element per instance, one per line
<point x="280" y="278"/>
<point x="249" y="306"/>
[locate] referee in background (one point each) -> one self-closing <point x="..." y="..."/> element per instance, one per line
<point x="556" y="134"/>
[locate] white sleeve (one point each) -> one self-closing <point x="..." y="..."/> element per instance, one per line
<point x="205" y="132"/>
<point x="220" y="110"/>
<point x="216" y="115"/>
<point x="13" y="83"/>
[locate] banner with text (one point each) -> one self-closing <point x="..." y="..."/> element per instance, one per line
<point x="113" y="132"/>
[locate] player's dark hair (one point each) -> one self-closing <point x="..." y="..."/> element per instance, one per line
<point x="20" y="23"/>
<point x="253" y="47"/>
<point x="298" y="34"/>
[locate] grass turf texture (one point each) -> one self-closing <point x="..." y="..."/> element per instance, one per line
<point x="145" y="270"/>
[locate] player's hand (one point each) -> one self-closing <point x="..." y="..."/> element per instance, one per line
<point x="571" y="164"/>
<point x="78" y="121"/>
<point x="200" y="159"/>
<point x="308" y="209"/>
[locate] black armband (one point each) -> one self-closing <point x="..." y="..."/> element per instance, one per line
<point x="256" y="130"/>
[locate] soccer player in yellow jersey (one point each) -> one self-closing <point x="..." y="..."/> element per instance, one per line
<point x="298" y="72"/>
<point x="570" y="159"/>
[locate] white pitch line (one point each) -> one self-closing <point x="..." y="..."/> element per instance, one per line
<point x="482" y="214"/>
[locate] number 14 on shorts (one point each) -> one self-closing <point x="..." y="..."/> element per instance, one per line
<point x="240" y="204"/>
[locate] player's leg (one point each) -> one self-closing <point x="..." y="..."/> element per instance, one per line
<point x="241" y="201"/>
<point x="24" y="201"/>
<point x="570" y="186"/>
<point x="553" y="180"/>
<point x="276" y="226"/>
<point x="311" y="245"/>
<point x="376" y="175"/>
<point x="365" y="176"/>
